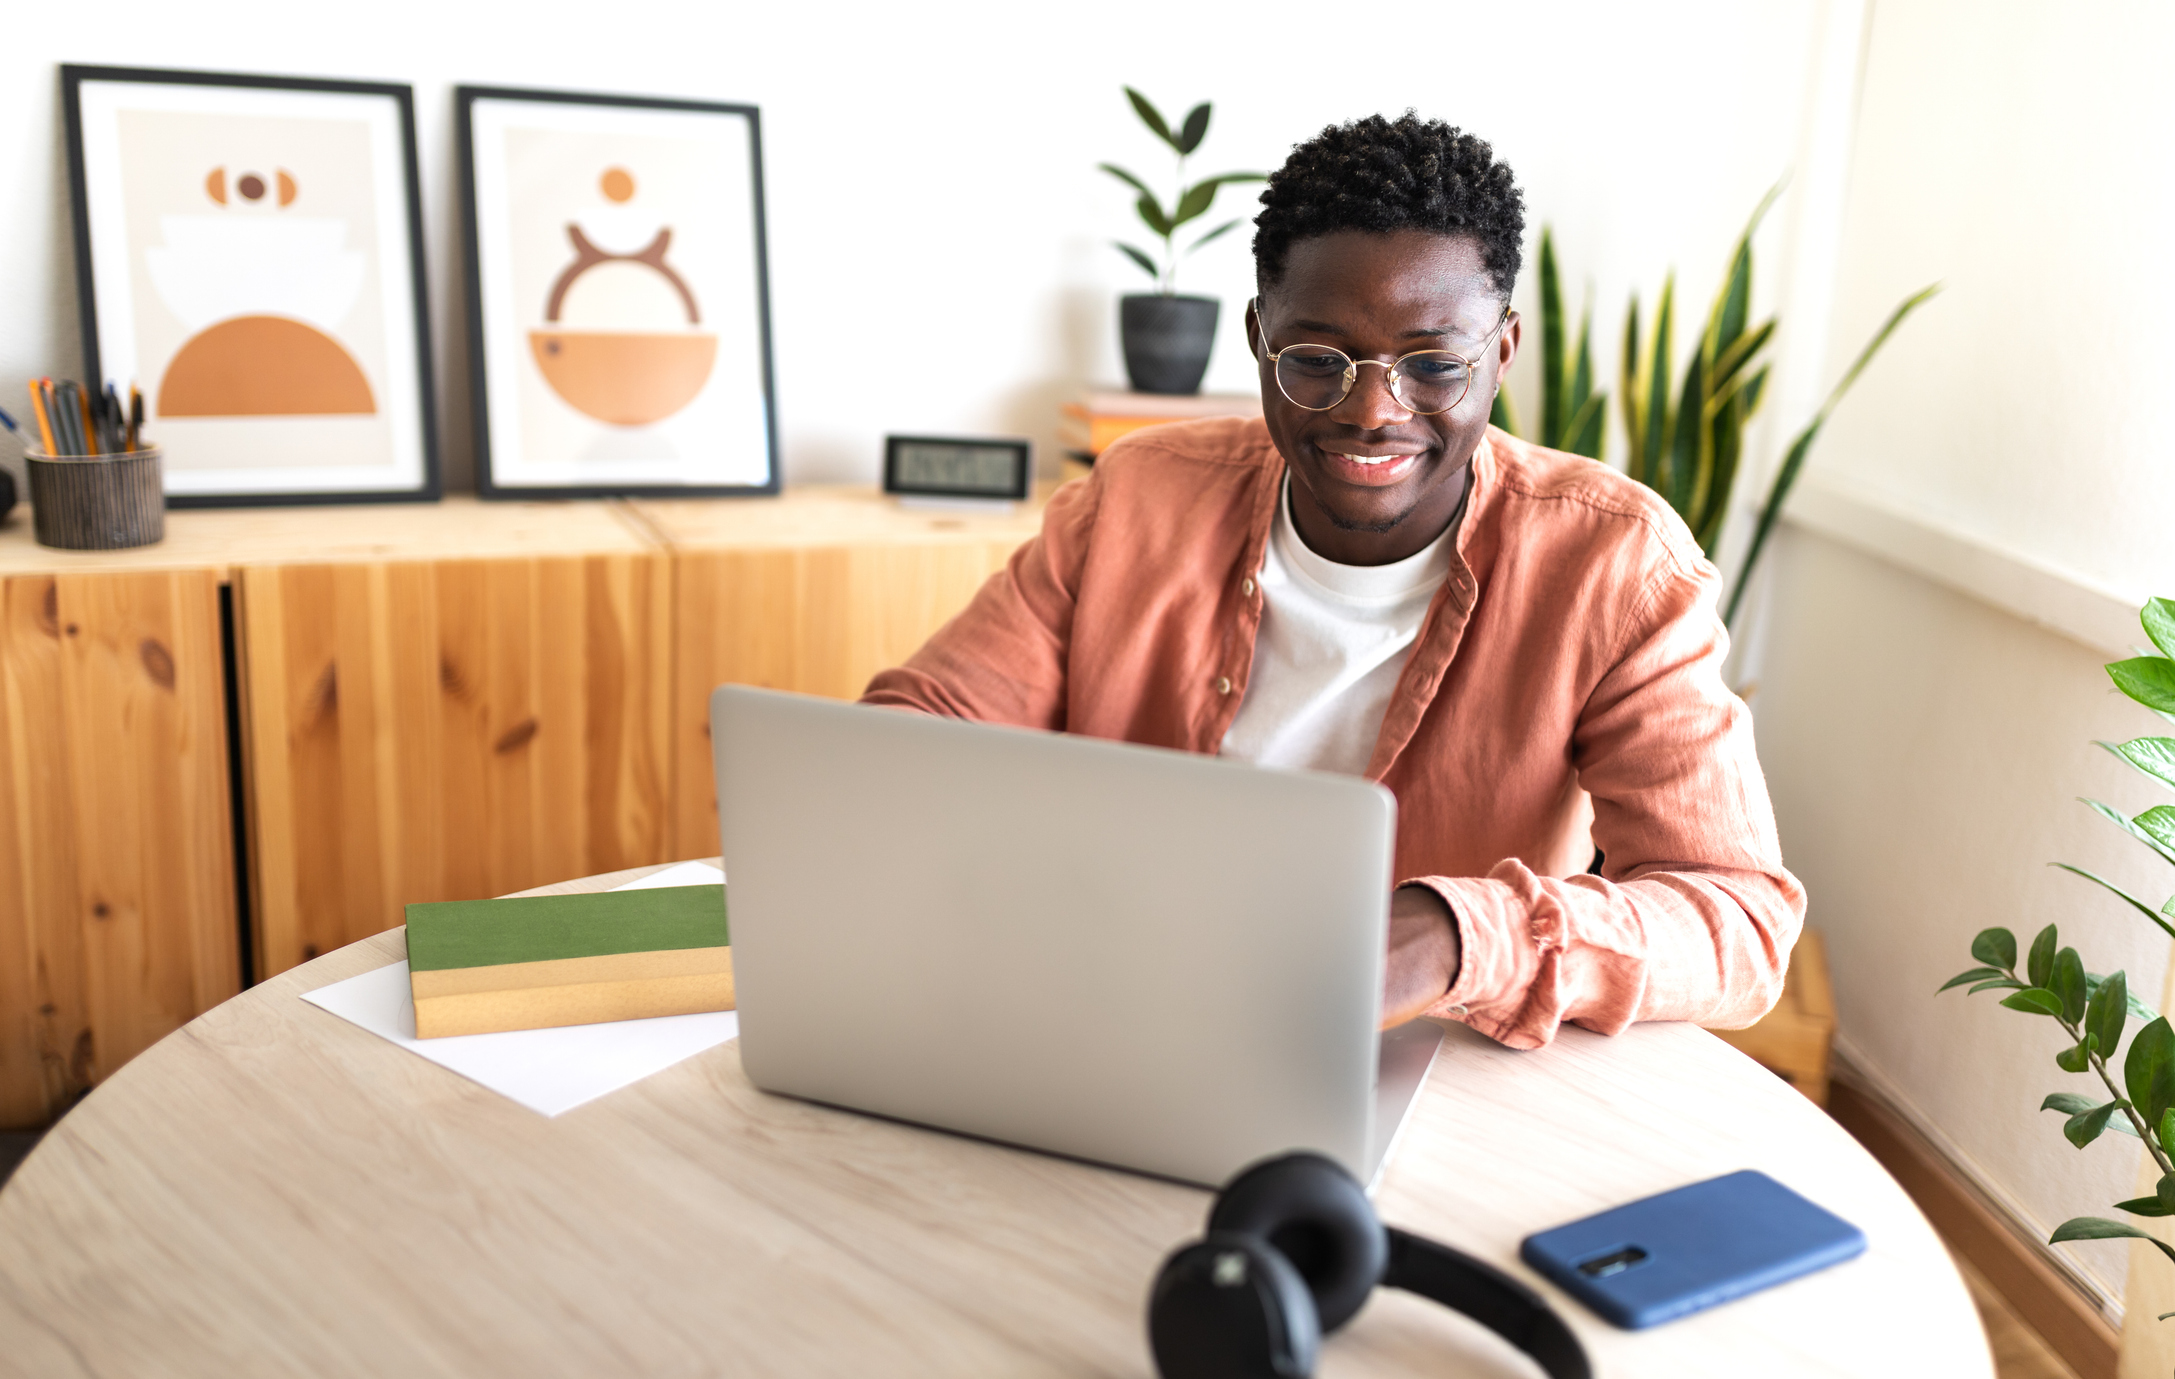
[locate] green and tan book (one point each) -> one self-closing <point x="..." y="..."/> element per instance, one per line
<point x="482" y="966"/>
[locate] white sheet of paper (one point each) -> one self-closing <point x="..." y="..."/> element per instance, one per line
<point x="546" y="1070"/>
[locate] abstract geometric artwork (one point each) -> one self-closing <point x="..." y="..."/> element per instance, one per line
<point x="249" y="255"/>
<point x="618" y="302"/>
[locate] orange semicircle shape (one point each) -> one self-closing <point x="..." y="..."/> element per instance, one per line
<point x="263" y="366"/>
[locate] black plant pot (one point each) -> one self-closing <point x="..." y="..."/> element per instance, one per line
<point x="1167" y="340"/>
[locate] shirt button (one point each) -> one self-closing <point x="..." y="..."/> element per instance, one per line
<point x="1223" y="684"/>
<point x="1247" y="588"/>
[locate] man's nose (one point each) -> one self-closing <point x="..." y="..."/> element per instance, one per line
<point x="1371" y="404"/>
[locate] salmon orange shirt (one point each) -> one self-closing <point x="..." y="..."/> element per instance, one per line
<point x="1564" y="692"/>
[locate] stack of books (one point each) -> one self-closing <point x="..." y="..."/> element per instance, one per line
<point x="1098" y="419"/>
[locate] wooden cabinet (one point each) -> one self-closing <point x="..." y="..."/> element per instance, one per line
<point x="117" y="914"/>
<point x="438" y="701"/>
<point x="444" y="730"/>
<point x="815" y="595"/>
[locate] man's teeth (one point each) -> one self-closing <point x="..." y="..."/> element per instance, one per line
<point x="1370" y="459"/>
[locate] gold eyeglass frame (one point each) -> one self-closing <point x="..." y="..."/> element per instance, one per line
<point x="1351" y="366"/>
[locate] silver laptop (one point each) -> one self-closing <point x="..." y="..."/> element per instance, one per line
<point x="1145" y="958"/>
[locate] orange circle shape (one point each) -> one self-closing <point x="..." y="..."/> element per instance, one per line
<point x="624" y="379"/>
<point x="618" y="184"/>
<point x="263" y="366"/>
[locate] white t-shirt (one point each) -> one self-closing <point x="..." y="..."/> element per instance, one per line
<point x="1332" y="643"/>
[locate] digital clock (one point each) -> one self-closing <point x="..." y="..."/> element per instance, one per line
<point x="954" y="467"/>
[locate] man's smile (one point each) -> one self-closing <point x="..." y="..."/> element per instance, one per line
<point x="1371" y="467"/>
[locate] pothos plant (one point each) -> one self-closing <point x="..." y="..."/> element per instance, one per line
<point x="1190" y="204"/>
<point x="2090" y="1010"/>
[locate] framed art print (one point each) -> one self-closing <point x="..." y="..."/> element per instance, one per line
<point x="249" y="254"/>
<point x="618" y="298"/>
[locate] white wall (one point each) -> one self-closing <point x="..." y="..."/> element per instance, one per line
<point x="1924" y="748"/>
<point x="932" y="184"/>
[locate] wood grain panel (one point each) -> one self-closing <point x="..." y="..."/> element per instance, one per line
<point x="815" y="619"/>
<point x="117" y="901"/>
<point x="447" y="730"/>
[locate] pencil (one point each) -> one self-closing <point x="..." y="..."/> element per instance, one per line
<point x="135" y="417"/>
<point x="90" y="432"/>
<point x="37" y="405"/>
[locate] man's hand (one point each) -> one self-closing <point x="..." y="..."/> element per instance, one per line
<point x="1423" y="954"/>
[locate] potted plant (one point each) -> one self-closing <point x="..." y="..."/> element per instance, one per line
<point x="1167" y="337"/>
<point x="2136" y="1097"/>
<point x="1686" y="440"/>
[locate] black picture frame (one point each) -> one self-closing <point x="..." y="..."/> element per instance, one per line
<point x="1020" y="452"/>
<point x="489" y="480"/>
<point x="73" y="79"/>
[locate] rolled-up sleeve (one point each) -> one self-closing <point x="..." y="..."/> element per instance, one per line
<point x="1694" y="917"/>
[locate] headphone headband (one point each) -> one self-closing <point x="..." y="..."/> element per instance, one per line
<point x="1293" y="1249"/>
<point x="1489" y="1296"/>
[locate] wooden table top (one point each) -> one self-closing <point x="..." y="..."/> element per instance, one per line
<point x="271" y="1190"/>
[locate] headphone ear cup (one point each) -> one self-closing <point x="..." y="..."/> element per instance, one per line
<point x="1318" y="1217"/>
<point x="1231" y="1307"/>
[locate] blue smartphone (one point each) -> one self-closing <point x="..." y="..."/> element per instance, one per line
<point x="1675" y="1253"/>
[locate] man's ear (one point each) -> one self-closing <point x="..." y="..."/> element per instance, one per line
<point x="1506" y="346"/>
<point x="1254" y="333"/>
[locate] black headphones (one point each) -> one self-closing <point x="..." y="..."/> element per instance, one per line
<point x="1292" y="1251"/>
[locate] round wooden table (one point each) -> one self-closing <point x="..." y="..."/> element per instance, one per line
<point x="272" y="1190"/>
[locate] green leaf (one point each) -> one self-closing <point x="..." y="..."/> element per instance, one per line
<point x="2158" y="616"/>
<point x="1147" y="265"/>
<point x="2035" y="1000"/>
<point x="2100" y="1228"/>
<point x="1195" y="128"/>
<point x="2068" y="983"/>
<point x="1552" y="344"/>
<point x="2150" y="680"/>
<point x="2068" y="1103"/>
<point x="2164" y="1191"/>
<point x="2159" y="823"/>
<point x="2107" y="1011"/>
<point x="1975" y="974"/>
<point x="1778" y="491"/>
<point x="2006" y="984"/>
<point x="2145" y="1206"/>
<point x="2141" y="907"/>
<point x="2074" y="1060"/>
<point x="2148" y="1074"/>
<point x="1127" y="178"/>
<point x="1583" y="434"/>
<point x="2167" y="1127"/>
<point x="2135" y="830"/>
<point x="2040" y="965"/>
<point x="1151" y="213"/>
<point x="2082" y="1129"/>
<point x="1220" y="229"/>
<point x="1194" y="202"/>
<point x="1995" y="947"/>
<point x="2155" y="756"/>
<point x="2138" y="1008"/>
<point x="1151" y="117"/>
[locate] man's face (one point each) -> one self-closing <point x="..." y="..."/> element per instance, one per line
<point x="1380" y="296"/>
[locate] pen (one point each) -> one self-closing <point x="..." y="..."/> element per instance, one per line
<point x="109" y="418"/>
<point x="9" y="422"/>
<point x="37" y="407"/>
<point x="83" y="410"/>
<point x="135" y="417"/>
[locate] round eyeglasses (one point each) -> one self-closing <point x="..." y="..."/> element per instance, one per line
<point x="1318" y="377"/>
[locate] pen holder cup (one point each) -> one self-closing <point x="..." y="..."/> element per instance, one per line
<point x="98" y="502"/>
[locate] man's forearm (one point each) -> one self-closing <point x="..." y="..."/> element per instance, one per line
<point x="1423" y="957"/>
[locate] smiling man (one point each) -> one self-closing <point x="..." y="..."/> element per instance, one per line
<point x="1522" y="645"/>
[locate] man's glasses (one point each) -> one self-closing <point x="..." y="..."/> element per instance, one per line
<point x="1318" y="377"/>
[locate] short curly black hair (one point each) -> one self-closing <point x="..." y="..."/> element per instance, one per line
<point x="1383" y="175"/>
